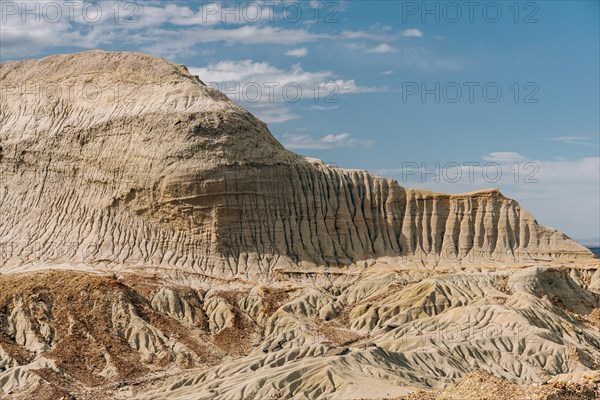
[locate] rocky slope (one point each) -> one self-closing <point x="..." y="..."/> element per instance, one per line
<point x="156" y="241"/>
<point x="386" y="335"/>
<point x="122" y="158"/>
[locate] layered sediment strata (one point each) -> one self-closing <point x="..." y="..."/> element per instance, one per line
<point x="127" y="159"/>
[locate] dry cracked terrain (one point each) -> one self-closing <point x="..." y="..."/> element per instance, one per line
<point x="157" y="242"/>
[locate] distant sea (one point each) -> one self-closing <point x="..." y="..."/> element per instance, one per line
<point x="595" y="250"/>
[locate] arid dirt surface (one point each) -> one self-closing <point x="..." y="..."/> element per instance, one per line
<point x="480" y="335"/>
<point x="483" y="386"/>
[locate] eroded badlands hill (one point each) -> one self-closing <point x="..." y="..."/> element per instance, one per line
<point x="158" y="242"/>
<point x="123" y="158"/>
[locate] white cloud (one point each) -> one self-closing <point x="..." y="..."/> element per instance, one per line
<point x="210" y="13"/>
<point x="561" y="193"/>
<point x="322" y="108"/>
<point x="248" y="73"/>
<point x="299" y="52"/>
<point x="270" y="91"/>
<point x="330" y="141"/>
<point x="350" y="87"/>
<point x="353" y="35"/>
<point x="165" y="40"/>
<point x="29" y="29"/>
<point x="504" y="157"/>
<point x="388" y="72"/>
<point x="569" y="138"/>
<point x="383" y="48"/>
<point x="580" y="140"/>
<point x="411" y="33"/>
<point x="414" y="57"/>
<point x="170" y="29"/>
<point x="153" y="27"/>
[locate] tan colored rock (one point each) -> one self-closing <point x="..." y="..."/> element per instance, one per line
<point x="133" y="338"/>
<point x="126" y="160"/>
<point x="158" y="242"/>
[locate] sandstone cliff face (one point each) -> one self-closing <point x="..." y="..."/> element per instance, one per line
<point x="123" y="159"/>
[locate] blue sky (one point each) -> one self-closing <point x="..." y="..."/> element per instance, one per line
<point x="371" y="61"/>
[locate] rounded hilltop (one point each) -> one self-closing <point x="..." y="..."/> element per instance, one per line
<point x="51" y="97"/>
